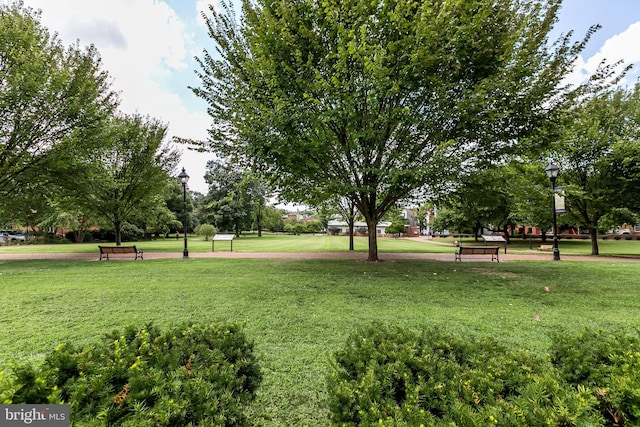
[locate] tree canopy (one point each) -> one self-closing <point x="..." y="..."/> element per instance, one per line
<point x="126" y="173"/>
<point x="376" y="101"/>
<point x="600" y="159"/>
<point x="47" y="92"/>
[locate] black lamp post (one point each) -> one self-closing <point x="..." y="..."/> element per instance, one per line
<point x="184" y="178"/>
<point x="552" y="172"/>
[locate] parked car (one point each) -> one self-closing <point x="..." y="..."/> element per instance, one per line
<point x="12" y="235"/>
<point x="18" y="236"/>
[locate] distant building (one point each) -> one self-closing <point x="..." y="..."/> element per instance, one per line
<point x="359" y="228"/>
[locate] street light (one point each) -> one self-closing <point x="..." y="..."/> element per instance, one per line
<point x="552" y="172"/>
<point x="184" y="178"/>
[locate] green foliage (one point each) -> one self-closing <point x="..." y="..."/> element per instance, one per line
<point x="600" y="160"/>
<point x="349" y="99"/>
<point x="200" y="374"/>
<point x="607" y="363"/>
<point x="48" y="92"/>
<point x="298" y="227"/>
<point x="130" y="232"/>
<point x="206" y="230"/>
<point x="272" y="218"/>
<point x="392" y="376"/>
<point x="121" y="177"/>
<point x="294" y="226"/>
<point x="396" y="227"/>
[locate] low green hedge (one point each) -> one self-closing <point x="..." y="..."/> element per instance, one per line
<point x="387" y="375"/>
<point x="607" y="363"/>
<point x="188" y="375"/>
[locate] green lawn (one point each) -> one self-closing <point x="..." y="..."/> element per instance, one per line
<point x="321" y="243"/>
<point x="300" y="311"/>
<point x="248" y="243"/>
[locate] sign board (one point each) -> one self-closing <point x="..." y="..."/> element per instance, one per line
<point x="559" y="199"/>
<point x="496" y="238"/>
<point x="222" y="237"/>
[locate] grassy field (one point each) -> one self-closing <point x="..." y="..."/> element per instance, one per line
<point x="322" y="243"/>
<point x="300" y="311"/>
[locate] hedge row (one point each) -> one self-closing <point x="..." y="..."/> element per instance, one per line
<point x="383" y="375"/>
<point x="188" y="375"/>
<point x="391" y="376"/>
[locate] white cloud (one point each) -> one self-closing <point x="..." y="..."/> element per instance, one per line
<point x="144" y="46"/>
<point x="620" y="47"/>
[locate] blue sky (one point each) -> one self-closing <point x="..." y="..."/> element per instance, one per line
<point x="148" y="47"/>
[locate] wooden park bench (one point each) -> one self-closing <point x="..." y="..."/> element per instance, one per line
<point x="222" y="237"/>
<point x="545" y="248"/>
<point x="106" y="250"/>
<point x="478" y="250"/>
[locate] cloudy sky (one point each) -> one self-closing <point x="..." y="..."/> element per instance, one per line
<point x="148" y="47"/>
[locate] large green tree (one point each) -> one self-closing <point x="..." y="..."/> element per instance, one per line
<point x="600" y="158"/>
<point x="126" y="173"/>
<point x="47" y="92"/>
<point x="376" y="100"/>
<point x="235" y="199"/>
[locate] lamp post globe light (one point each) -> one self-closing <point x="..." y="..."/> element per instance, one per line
<point x="552" y="172"/>
<point x="184" y="178"/>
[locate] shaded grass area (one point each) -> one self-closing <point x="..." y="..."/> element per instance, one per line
<point x="300" y="311"/>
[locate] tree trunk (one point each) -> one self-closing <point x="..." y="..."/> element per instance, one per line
<point x="351" y="222"/>
<point x="594" y="241"/>
<point x="505" y="231"/>
<point x="259" y="220"/>
<point x="118" y="227"/>
<point x="351" y="230"/>
<point x="78" y="235"/>
<point x="373" y="240"/>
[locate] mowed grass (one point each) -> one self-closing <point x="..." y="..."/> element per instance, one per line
<point x="248" y="243"/>
<point x="299" y="312"/>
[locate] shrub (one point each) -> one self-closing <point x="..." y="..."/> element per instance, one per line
<point x="189" y="375"/>
<point x="130" y="232"/>
<point x="608" y="365"/>
<point x="391" y="376"/>
<point x="206" y="230"/>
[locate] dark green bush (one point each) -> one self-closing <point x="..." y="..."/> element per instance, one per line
<point x="391" y="376"/>
<point x="608" y="365"/>
<point x="130" y="232"/>
<point x="188" y="375"/>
